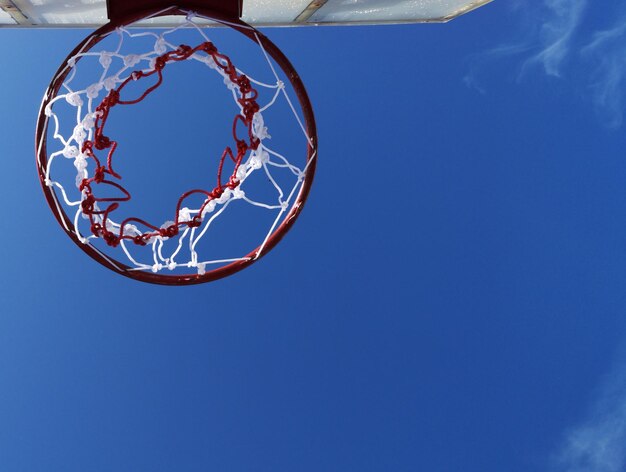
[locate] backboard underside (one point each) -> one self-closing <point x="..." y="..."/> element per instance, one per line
<point x="93" y="13"/>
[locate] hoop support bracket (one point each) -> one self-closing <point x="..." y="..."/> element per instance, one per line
<point x="227" y="9"/>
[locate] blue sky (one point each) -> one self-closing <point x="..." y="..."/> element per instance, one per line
<point x="451" y="299"/>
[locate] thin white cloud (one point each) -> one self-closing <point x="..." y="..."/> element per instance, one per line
<point x="555" y="36"/>
<point x="606" y="55"/>
<point x="552" y="40"/>
<point x="548" y="31"/>
<point x="599" y="443"/>
<point x="478" y="62"/>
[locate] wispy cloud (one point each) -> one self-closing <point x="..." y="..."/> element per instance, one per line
<point x="548" y="29"/>
<point x="560" y="19"/>
<point x="478" y="62"/>
<point x="606" y="55"/>
<point x="553" y="42"/>
<point x="599" y="443"/>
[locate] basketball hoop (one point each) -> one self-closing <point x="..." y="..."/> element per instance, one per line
<point x="89" y="198"/>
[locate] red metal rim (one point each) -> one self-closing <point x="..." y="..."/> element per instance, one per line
<point x="220" y="272"/>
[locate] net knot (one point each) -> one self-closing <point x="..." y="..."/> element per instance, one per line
<point x="159" y="63"/>
<point x="140" y="240"/>
<point x="102" y="142"/>
<point x="210" y="206"/>
<point x="79" y="133"/>
<point x="238" y="193"/>
<point x="93" y="90"/>
<point x="195" y="222"/>
<point x="226" y="194"/>
<point x="250" y="108"/>
<point x="110" y="83"/>
<point x="244" y="84"/>
<point x="110" y="238"/>
<point x="131" y="60"/>
<point x="98" y="175"/>
<point x="112" y="99"/>
<point x="209" y="48"/>
<point x="74" y="99"/>
<point x="217" y="193"/>
<point x="169" y="232"/>
<point x="259" y="129"/>
<point x="88" y="202"/>
<point x="242" y="147"/>
<point x="183" y="50"/>
<point x="184" y="214"/>
<point x="105" y="59"/>
<point x="96" y="229"/>
<point x="159" y="45"/>
<point x="70" y="151"/>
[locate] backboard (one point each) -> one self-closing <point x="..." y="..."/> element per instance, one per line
<point x="93" y="13"/>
